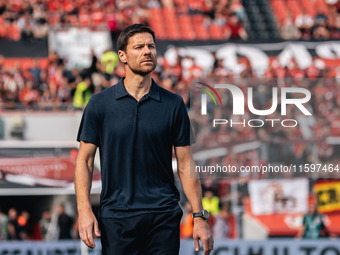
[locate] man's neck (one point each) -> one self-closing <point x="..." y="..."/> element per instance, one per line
<point x="137" y="86"/>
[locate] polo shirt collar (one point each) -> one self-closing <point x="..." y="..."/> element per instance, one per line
<point x="153" y="93"/>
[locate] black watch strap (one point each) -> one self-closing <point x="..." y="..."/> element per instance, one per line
<point x="204" y="214"/>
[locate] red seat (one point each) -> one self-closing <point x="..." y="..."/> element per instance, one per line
<point x="216" y="32"/>
<point x="13" y="32"/>
<point x="156" y="12"/>
<point x="173" y="32"/>
<point x="188" y="33"/>
<point x="159" y="30"/>
<point x="201" y="32"/>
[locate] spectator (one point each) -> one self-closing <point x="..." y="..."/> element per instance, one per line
<point x="109" y="61"/>
<point x="45" y="223"/>
<point x="35" y="70"/>
<point x="40" y="30"/>
<point x="27" y="30"/>
<point x="210" y="202"/>
<point x="28" y="95"/>
<point x="237" y="8"/>
<point x="187" y="223"/>
<point x="234" y="29"/>
<point x="25" y="227"/>
<point x="82" y="94"/>
<point x="221" y="227"/>
<point x="288" y="30"/>
<point x="13" y="225"/>
<point x="320" y="30"/>
<point x="313" y="225"/>
<point x="65" y="223"/>
<point x="46" y="101"/>
<point x="304" y="22"/>
<point x="64" y="92"/>
<point x="320" y="18"/>
<point x="3" y="225"/>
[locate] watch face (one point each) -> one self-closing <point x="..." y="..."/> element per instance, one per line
<point x="205" y="214"/>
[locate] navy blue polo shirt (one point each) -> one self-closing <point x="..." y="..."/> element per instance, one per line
<point x="135" y="140"/>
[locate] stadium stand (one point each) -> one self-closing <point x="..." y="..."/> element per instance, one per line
<point x="174" y="20"/>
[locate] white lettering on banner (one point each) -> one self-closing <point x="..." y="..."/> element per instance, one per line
<point x="268" y="247"/>
<point x="328" y="50"/>
<point x="46" y="248"/>
<point x="221" y="247"/>
<point x="256" y="54"/>
<point x="298" y="52"/>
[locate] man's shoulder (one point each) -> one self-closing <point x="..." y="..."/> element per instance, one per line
<point x="104" y="94"/>
<point x="168" y="95"/>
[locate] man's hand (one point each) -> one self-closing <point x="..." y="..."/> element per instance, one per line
<point x="202" y="232"/>
<point x="88" y="227"/>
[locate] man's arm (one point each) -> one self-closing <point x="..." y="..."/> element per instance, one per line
<point x="192" y="188"/>
<point x="300" y="232"/>
<point x="87" y="222"/>
<point x="302" y="229"/>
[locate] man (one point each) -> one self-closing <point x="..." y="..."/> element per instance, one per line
<point x="136" y="124"/>
<point x="65" y="223"/>
<point x="221" y="227"/>
<point x="313" y="226"/>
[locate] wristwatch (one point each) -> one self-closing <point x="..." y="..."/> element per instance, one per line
<point x="204" y="214"/>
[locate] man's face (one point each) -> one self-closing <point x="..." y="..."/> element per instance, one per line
<point x="140" y="55"/>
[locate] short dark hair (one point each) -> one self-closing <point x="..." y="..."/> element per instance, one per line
<point x="130" y="31"/>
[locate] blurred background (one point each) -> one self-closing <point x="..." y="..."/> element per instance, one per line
<point x="55" y="54"/>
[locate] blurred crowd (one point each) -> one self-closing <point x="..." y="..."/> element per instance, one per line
<point x="221" y="220"/>
<point x="213" y="19"/>
<point x="54" y="87"/>
<point x="59" y="225"/>
<point x="28" y="19"/>
<point x="16" y="225"/>
<point x="323" y="25"/>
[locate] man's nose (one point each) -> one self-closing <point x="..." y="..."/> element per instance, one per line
<point x="147" y="50"/>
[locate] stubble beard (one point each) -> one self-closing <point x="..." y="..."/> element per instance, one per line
<point x="141" y="72"/>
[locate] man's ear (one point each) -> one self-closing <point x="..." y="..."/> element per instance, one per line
<point x="122" y="56"/>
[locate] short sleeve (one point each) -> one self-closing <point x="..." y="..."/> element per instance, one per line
<point x="182" y="132"/>
<point x="89" y="125"/>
